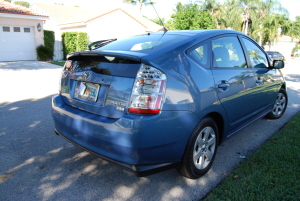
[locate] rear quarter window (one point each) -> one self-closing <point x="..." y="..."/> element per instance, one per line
<point x="200" y="54"/>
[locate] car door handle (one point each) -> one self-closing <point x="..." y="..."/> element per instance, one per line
<point x="223" y="85"/>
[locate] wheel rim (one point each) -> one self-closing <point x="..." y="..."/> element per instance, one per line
<point x="279" y="105"/>
<point x="204" y="148"/>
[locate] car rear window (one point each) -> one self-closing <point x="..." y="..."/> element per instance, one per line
<point x="104" y="65"/>
<point x="144" y="43"/>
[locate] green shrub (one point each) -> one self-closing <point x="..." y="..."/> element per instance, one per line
<point x="74" y="41"/>
<point x="49" y="41"/>
<point x="43" y="53"/>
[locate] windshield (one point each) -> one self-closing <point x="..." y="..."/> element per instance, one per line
<point x="144" y="43"/>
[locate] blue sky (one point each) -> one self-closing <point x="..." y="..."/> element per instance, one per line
<point x="163" y="7"/>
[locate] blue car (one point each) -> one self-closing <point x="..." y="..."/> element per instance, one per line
<point x="166" y="100"/>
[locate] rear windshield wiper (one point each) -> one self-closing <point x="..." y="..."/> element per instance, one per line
<point x="100" y="43"/>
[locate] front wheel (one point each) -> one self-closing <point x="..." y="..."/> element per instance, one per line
<point x="279" y="106"/>
<point x="201" y="149"/>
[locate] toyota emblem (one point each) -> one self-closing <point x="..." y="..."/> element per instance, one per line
<point x="86" y="75"/>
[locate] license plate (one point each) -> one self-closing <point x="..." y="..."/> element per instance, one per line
<point x="87" y="91"/>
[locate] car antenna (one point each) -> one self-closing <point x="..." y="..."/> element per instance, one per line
<point x="165" y="29"/>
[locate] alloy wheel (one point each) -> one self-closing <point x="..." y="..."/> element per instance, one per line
<point x="204" y="148"/>
<point x="279" y="105"/>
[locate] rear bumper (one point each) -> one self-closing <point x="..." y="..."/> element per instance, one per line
<point x="139" y="170"/>
<point x="142" y="143"/>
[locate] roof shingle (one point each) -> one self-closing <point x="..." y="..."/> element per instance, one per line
<point x="10" y="8"/>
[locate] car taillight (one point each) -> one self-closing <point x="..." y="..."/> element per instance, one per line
<point x="148" y="91"/>
<point x="66" y="66"/>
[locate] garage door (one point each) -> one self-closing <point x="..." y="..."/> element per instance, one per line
<point x="17" y="43"/>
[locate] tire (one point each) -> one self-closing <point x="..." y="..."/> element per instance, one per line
<point x="201" y="150"/>
<point x="279" y="106"/>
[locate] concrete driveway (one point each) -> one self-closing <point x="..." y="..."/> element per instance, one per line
<point x="38" y="165"/>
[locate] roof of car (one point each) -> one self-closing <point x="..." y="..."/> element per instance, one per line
<point x="202" y="31"/>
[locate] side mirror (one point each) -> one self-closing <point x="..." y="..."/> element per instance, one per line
<point x="278" y="64"/>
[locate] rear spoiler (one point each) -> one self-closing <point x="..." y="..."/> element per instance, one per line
<point x="100" y="43"/>
<point x="136" y="56"/>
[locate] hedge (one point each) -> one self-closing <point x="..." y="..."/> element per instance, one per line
<point x="74" y="41"/>
<point x="46" y="51"/>
<point x="49" y="41"/>
<point x="43" y="53"/>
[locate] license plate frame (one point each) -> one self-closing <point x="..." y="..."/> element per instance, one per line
<point x="87" y="91"/>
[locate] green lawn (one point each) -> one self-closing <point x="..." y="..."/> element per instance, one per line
<point x="271" y="173"/>
<point x="60" y="63"/>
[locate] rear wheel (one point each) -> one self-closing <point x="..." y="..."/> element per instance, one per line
<point x="201" y="149"/>
<point x="279" y="106"/>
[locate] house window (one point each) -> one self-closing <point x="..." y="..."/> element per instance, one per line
<point x="6" y="29"/>
<point x="26" y="30"/>
<point x="17" y="29"/>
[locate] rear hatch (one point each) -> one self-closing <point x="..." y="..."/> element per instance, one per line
<point x="109" y="79"/>
<point x="100" y="82"/>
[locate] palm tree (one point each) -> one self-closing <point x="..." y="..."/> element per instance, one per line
<point x="231" y="15"/>
<point x="265" y="14"/>
<point x="213" y="7"/>
<point x="250" y="12"/>
<point x="179" y="7"/>
<point x="270" y="27"/>
<point x="292" y="28"/>
<point x="141" y="3"/>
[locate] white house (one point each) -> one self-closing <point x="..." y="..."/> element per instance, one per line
<point x="99" y="24"/>
<point x="21" y="31"/>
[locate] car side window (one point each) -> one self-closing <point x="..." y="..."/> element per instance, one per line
<point x="200" y="54"/>
<point x="257" y="57"/>
<point x="227" y="52"/>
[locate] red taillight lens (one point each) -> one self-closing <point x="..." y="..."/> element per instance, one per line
<point x="67" y="66"/>
<point x="148" y="91"/>
<point x="143" y="111"/>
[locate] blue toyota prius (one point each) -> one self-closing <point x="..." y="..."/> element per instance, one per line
<point x="168" y="99"/>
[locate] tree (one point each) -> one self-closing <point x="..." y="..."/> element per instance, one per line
<point x="22" y="3"/>
<point x="213" y="7"/>
<point x="265" y="13"/>
<point x="179" y="7"/>
<point x="141" y="3"/>
<point x="8" y="1"/>
<point x="191" y="17"/>
<point x="270" y="27"/>
<point x="256" y="18"/>
<point x="292" y="28"/>
<point x="231" y="15"/>
<point x="250" y="8"/>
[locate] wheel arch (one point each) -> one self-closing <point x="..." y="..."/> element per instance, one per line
<point x="218" y="118"/>
<point x="283" y="86"/>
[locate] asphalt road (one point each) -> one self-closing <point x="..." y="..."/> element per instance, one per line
<point x="36" y="164"/>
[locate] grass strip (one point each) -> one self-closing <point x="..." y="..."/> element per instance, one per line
<point x="271" y="173"/>
<point x="60" y="63"/>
